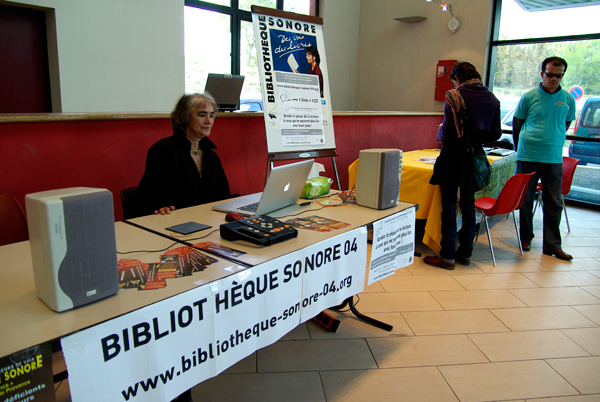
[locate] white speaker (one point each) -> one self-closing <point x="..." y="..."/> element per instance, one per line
<point x="378" y="178"/>
<point x="73" y="247"/>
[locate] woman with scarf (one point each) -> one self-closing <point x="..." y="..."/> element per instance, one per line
<point x="482" y="109"/>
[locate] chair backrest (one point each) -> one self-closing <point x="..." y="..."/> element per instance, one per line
<point x="525" y="190"/>
<point x="352" y="171"/>
<point x="12" y="221"/>
<point x="512" y="194"/>
<point x="129" y="203"/>
<point x="569" y="165"/>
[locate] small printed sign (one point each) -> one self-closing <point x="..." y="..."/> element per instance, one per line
<point x="27" y="375"/>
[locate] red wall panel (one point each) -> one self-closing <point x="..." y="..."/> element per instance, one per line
<point x="38" y="156"/>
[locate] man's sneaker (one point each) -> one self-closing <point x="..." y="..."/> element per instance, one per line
<point x="437" y="262"/>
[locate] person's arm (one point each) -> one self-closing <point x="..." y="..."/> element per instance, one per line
<point x="152" y="196"/>
<point x="442" y="129"/>
<point x="496" y="129"/>
<point x="517" y="125"/>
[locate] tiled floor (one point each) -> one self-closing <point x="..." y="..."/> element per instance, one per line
<point x="526" y="330"/>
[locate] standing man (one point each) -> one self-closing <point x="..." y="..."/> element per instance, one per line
<point x="541" y="120"/>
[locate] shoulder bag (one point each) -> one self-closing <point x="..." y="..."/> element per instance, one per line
<point x="479" y="171"/>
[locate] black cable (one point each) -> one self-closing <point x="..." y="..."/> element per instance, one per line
<point x="147" y="251"/>
<point x="156" y="251"/>
<point x="299" y="213"/>
<point x="206" y="235"/>
<point x="186" y="243"/>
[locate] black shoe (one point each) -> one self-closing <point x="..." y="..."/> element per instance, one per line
<point x="561" y="255"/>
<point x="526" y="245"/>
<point x="185" y="397"/>
<point x="462" y="260"/>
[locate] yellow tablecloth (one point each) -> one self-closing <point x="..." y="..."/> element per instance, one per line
<point x="415" y="188"/>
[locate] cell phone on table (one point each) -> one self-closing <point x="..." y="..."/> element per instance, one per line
<point x="189" y="227"/>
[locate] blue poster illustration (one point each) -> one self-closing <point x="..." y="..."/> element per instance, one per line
<point x="296" y="52"/>
<point x="289" y="47"/>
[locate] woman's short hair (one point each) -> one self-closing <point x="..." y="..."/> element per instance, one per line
<point x="313" y="50"/>
<point x="180" y="116"/>
<point x="464" y="71"/>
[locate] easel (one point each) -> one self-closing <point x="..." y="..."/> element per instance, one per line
<point x="321" y="153"/>
<point x="306" y="25"/>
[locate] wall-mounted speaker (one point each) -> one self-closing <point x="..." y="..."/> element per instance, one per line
<point x="378" y="178"/>
<point x="73" y="246"/>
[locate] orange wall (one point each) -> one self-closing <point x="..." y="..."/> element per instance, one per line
<point x="38" y="156"/>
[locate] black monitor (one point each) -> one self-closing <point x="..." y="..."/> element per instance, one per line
<point x="226" y="89"/>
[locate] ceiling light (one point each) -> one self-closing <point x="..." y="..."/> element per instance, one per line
<point x="445" y="6"/>
<point x="454" y="23"/>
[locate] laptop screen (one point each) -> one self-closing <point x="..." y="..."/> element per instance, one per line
<point x="226" y="90"/>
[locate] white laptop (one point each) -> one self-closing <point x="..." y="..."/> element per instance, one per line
<point x="284" y="187"/>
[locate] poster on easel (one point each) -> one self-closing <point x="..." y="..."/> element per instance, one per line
<point x="294" y="83"/>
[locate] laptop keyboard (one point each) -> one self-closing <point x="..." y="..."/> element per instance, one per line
<point x="249" y="207"/>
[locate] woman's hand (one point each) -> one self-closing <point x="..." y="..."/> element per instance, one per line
<point x="165" y="210"/>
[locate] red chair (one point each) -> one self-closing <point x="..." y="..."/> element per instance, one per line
<point x="12" y="221"/>
<point x="510" y="199"/>
<point x="569" y="166"/>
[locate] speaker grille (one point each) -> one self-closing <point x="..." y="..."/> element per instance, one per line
<point x="89" y="270"/>
<point x="390" y="185"/>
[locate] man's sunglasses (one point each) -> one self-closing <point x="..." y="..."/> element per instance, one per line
<point x="550" y="75"/>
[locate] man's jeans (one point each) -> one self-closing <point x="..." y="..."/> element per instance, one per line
<point x="551" y="176"/>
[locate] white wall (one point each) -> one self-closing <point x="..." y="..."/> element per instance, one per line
<point x="341" y="35"/>
<point x="396" y="62"/>
<point x="118" y="55"/>
<point x="127" y="55"/>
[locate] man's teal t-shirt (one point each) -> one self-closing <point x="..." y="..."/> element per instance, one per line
<point x="542" y="136"/>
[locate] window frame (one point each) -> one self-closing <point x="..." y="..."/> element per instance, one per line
<point x="495" y="42"/>
<point x="237" y="16"/>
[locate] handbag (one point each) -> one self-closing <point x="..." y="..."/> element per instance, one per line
<point x="479" y="171"/>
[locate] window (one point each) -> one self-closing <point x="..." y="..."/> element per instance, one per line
<point x="522" y="40"/>
<point x="219" y="38"/>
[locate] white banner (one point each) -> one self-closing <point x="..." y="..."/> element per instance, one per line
<point x="157" y="352"/>
<point x="294" y="84"/>
<point x="393" y="244"/>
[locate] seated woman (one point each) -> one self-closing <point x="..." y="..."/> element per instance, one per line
<point x="183" y="170"/>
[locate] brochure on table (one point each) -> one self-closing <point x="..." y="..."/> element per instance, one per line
<point x="296" y="99"/>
